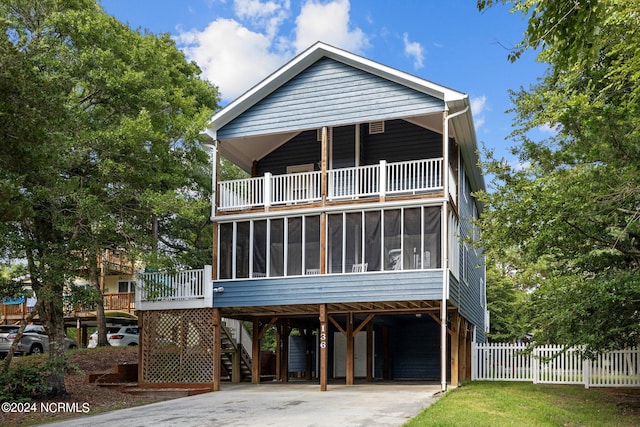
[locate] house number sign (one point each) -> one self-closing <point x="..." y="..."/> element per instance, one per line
<point x="323" y="337"/>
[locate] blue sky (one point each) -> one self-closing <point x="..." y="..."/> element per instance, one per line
<point x="237" y="43"/>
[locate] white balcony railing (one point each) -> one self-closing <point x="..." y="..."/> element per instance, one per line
<point x="409" y="177"/>
<point x="192" y="287"/>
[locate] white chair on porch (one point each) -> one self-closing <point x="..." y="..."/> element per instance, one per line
<point x="359" y="268"/>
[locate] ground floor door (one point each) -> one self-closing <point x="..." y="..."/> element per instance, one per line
<point x="340" y="355"/>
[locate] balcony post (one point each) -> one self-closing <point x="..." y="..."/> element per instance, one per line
<point x="268" y="190"/>
<point x="323" y="163"/>
<point x="382" y="185"/>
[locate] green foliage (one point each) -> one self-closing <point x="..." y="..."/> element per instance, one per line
<point x="572" y="206"/>
<point x="100" y="128"/>
<point x="506" y="303"/>
<point x="23" y="382"/>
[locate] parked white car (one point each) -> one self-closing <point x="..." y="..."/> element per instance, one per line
<point x="118" y="336"/>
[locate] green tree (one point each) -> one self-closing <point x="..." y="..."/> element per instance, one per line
<point x="574" y="201"/>
<point x="100" y="128"/>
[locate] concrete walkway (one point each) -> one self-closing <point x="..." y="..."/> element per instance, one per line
<point x="276" y="404"/>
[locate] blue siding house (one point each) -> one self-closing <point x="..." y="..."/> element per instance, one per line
<point x="353" y="232"/>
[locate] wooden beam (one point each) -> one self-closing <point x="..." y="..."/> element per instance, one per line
<point x="385" y="353"/>
<point x="267" y="326"/>
<point x="437" y="319"/>
<point x="278" y="352"/>
<point x="309" y="361"/>
<point x="337" y="325"/>
<point x="364" y="323"/>
<point x="217" y="348"/>
<point x="255" y="352"/>
<point x="350" y="373"/>
<point x="323" y="243"/>
<point x="324" y="347"/>
<point x="455" y="349"/>
<point x="284" y="353"/>
<point x="369" y="352"/>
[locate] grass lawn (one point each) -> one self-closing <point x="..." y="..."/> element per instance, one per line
<point x="487" y="403"/>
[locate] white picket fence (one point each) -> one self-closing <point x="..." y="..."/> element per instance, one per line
<point x="555" y="365"/>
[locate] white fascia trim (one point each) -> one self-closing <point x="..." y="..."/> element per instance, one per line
<point x="308" y="57"/>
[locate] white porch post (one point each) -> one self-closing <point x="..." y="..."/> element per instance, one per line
<point x="445" y="253"/>
<point x="383" y="179"/>
<point x="214" y="178"/>
<point x="268" y="190"/>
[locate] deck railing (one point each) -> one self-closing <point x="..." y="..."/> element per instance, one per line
<point x="409" y="177"/>
<point x="192" y="287"/>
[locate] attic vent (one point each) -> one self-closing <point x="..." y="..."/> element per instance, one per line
<point x="376" y="127"/>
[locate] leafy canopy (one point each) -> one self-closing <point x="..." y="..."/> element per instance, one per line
<point x="100" y="128"/>
<point x="574" y="199"/>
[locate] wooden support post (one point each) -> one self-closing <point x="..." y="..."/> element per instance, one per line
<point x="466" y="342"/>
<point x="455" y="340"/>
<point x="385" y="353"/>
<point x="284" y="371"/>
<point x="236" y="368"/>
<point x="370" y="352"/>
<point x="278" y="352"/>
<point x="217" y="348"/>
<point x="255" y="352"/>
<point x="350" y="374"/>
<point x="143" y="347"/>
<point x="324" y="347"/>
<point x="323" y="243"/>
<point x="309" y="361"/>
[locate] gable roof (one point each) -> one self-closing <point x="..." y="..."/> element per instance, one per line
<point x="456" y="103"/>
<point x="309" y="57"/>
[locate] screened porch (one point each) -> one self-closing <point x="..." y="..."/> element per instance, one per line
<point x="361" y="241"/>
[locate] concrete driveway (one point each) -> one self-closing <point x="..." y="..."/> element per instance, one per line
<point x="388" y="404"/>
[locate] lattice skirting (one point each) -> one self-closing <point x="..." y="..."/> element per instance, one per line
<point x="177" y="346"/>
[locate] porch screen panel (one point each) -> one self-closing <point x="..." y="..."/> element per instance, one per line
<point x="312" y="244"/>
<point x="294" y="246"/>
<point x="412" y="239"/>
<point x="432" y="257"/>
<point x="260" y="248"/>
<point x="372" y="240"/>
<point x="392" y="239"/>
<point x="276" y="248"/>
<point x="353" y="242"/>
<point x="242" y="249"/>
<point x="225" y="251"/>
<point x="334" y="245"/>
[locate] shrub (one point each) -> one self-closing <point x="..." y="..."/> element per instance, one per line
<point x="22" y="382"/>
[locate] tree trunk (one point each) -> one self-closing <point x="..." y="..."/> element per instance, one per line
<point x="52" y="314"/>
<point x="101" y="321"/>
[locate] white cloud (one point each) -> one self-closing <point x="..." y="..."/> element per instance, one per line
<point x="413" y="50"/>
<point x="237" y="53"/>
<point x="478" y="107"/>
<point x="547" y="128"/>
<point x="231" y="56"/>
<point x="267" y="16"/>
<point x="329" y="23"/>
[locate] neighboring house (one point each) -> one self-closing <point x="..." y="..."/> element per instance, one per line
<point x="355" y="230"/>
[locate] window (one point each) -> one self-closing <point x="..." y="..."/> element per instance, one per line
<point x="126" y="287"/>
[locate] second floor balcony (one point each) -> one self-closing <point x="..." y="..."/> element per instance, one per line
<point x="370" y="181"/>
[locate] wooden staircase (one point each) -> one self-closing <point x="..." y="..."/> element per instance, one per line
<point x="235" y="358"/>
